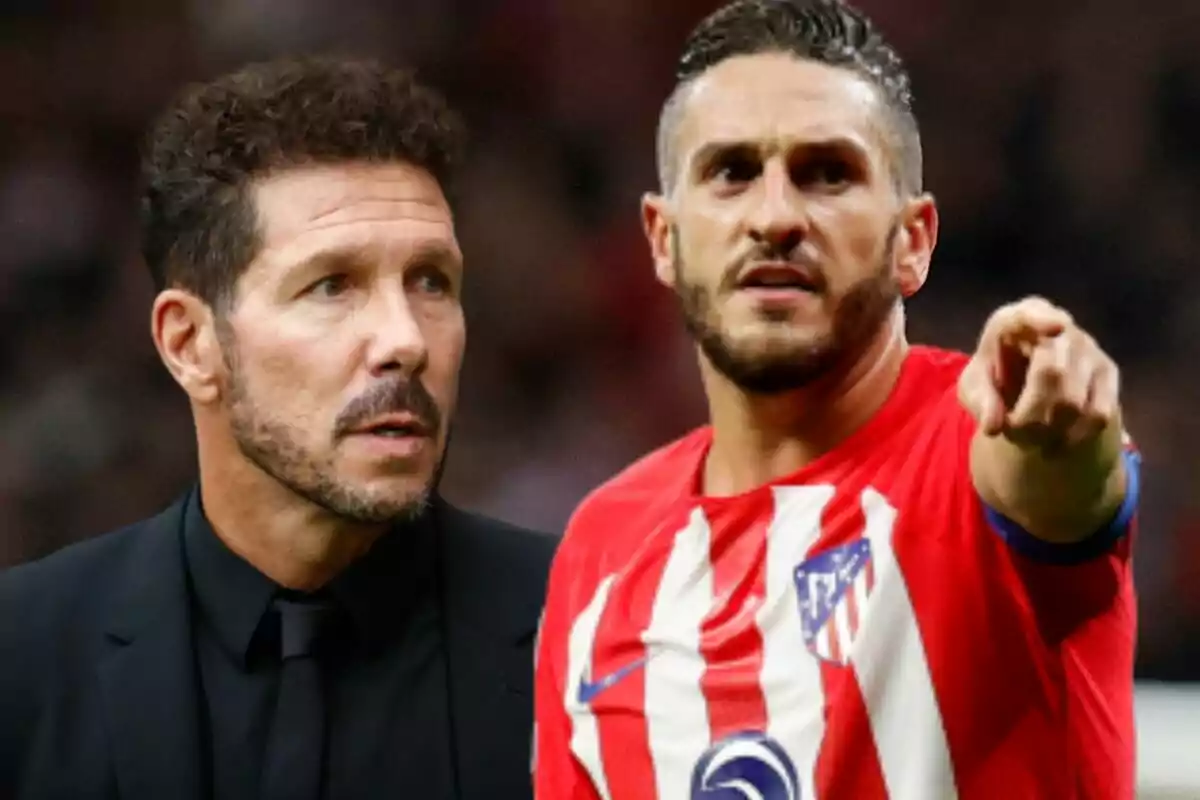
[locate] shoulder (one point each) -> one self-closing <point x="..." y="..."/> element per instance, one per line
<point x="666" y="473"/>
<point x="519" y="548"/>
<point x="497" y="571"/>
<point x="55" y="607"/>
<point x="937" y="367"/>
<point x="70" y="578"/>
<point x="82" y="575"/>
<point x="615" y="516"/>
<point x="935" y="422"/>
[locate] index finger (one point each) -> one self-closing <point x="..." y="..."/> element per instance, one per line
<point x="1023" y="324"/>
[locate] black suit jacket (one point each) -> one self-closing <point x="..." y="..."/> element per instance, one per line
<point x="98" y="678"/>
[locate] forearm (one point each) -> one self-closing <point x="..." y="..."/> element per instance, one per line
<point x="1057" y="496"/>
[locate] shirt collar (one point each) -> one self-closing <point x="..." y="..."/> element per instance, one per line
<point x="378" y="592"/>
<point x="229" y="592"/>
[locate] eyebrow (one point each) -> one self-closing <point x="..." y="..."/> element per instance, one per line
<point x="341" y="258"/>
<point x="353" y="257"/>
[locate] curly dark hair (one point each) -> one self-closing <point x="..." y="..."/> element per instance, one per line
<point x="826" y="31"/>
<point x="199" y="227"/>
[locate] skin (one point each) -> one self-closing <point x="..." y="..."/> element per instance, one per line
<point x="785" y="160"/>
<point x="350" y="310"/>
<point x="1046" y="396"/>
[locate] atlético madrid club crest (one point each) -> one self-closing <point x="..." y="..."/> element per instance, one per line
<point x="833" y="588"/>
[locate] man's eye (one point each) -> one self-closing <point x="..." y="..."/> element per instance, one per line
<point x="432" y="281"/>
<point x="329" y="286"/>
<point x="736" y="170"/>
<point x="827" y="172"/>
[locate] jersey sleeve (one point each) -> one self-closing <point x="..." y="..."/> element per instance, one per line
<point x="1072" y="610"/>
<point x="557" y="774"/>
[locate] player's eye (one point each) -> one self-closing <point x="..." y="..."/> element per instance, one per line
<point x="827" y="173"/>
<point x="735" y="168"/>
<point x="329" y="287"/>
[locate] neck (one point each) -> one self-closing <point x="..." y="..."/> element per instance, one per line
<point x="291" y="540"/>
<point x="758" y="439"/>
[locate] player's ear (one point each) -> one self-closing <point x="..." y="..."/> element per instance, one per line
<point x="184" y="331"/>
<point x="656" y="222"/>
<point x="916" y="238"/>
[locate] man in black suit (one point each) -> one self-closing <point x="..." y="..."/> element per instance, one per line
<point x="311" y="621"/>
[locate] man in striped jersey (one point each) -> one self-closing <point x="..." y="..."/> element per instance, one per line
<point x="882" y="571"/>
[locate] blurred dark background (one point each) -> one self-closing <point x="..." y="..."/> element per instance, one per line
<point x="1061" y="139"/>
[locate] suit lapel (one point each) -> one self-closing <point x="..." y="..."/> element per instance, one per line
<point x="148" y="677"/>
<point x="491" y="622"/>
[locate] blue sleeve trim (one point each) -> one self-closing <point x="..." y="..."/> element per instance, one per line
<point x="1086" y="549"/>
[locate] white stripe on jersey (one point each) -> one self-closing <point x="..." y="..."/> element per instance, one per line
<point x="585" y="733"/>
<point x="889" y="659"/>
<point x="791" y="677"/>
<point x="676" y="709"/>
<point x="825" y="641"/>
<point x="863" y="584"/>
<point x="843" y="630"/>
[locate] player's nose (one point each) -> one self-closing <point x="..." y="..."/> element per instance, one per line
<point x="779" y="217"/>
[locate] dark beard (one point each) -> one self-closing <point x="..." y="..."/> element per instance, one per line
<point x="862" y="312"/>
<point x="274" y="448"/>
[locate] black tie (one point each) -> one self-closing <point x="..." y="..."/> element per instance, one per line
<point x="292" y="769"/>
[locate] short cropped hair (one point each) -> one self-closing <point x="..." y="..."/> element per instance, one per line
<point x="198" y="223"/>
<point x="829" y="32"/>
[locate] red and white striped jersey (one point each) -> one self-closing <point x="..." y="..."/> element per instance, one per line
<point x="864" y="628"/>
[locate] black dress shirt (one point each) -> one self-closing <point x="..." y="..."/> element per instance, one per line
<point x="388" y="732"/>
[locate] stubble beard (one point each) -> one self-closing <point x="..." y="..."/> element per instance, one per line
<point x="789" y="365"/>
<point x="275" y="448"/>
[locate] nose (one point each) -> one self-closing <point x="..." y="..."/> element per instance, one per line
<point x="396" y="340"/>
<point x="779" y="219"/>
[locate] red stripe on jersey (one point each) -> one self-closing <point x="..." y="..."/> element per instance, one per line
<point x="833" y="631"/>
<point x="730" y="640"/>
<point x="848" y="764"/>
<point x="620" y="709"/>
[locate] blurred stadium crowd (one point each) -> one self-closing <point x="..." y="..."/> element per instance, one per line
<point x="1059" y="136"/>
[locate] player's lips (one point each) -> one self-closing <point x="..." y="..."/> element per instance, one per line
<point x="780" y="276"/>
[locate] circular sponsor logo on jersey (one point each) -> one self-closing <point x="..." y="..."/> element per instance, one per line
<point x="745" y="766"/>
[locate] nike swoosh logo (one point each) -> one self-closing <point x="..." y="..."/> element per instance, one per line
<point x="589" y="689"/>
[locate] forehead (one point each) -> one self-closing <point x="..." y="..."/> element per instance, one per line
<point x="306" y="209"/>
<point x="776" y="99"/>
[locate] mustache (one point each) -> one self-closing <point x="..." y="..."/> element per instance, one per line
<point x="393" y="396"/>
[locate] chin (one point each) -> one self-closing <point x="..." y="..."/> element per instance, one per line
<point x="390" y="503"/>
<point x="778" y="343"/>
<point x="399" y="487"/>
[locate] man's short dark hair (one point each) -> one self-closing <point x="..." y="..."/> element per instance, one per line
<point x="199" y="227"/>
<point x="826" y="31"/>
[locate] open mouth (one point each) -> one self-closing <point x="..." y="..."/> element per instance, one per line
<point x="396" y="429"/>
<point x="780" y="277"/>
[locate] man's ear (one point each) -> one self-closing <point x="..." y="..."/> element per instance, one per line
<point x="658" y="225"/>
<point x="185" y="334"/>
<point x="916" y="238"/>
